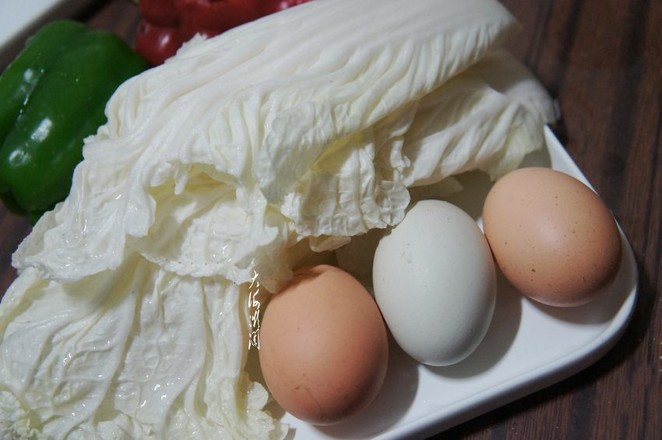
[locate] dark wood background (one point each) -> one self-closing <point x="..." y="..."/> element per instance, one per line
<point x="602" y="60"/>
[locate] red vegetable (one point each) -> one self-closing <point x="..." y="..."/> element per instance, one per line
<point x="155" y="43"/>
<point x="271" y="6"/>
<point x="167" y="24"/>
<point x="211" y="17"/>
<point x="159" y="12"/>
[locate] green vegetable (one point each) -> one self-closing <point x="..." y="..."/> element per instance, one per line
<point x="53" y="96"/>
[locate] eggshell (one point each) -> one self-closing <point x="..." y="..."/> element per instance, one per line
<point x="435" y="283"/>
<point x="552" y="236"/>
<point x="323" y="346"/>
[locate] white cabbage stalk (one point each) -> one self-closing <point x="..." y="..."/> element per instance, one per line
<point x="129" y="317"/>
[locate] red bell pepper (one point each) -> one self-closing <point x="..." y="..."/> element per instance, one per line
<point x="167" y="24"/>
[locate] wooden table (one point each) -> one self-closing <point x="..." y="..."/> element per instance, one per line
<point x="602" y="60"/>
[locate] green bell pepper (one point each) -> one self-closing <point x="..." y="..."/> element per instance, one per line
<point x="53" y="95"/>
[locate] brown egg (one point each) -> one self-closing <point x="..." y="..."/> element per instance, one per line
<point x="323" y="346"/>
<point x="552" y="236"/>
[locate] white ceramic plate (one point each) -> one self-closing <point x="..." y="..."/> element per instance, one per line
<point x="528" y="346"/>
<point x="20" y="18"/>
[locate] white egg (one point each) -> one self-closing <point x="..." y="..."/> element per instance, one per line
<point x="435" y="283"/>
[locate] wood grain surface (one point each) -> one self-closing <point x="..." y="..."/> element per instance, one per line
<point x="602" y="61"/>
